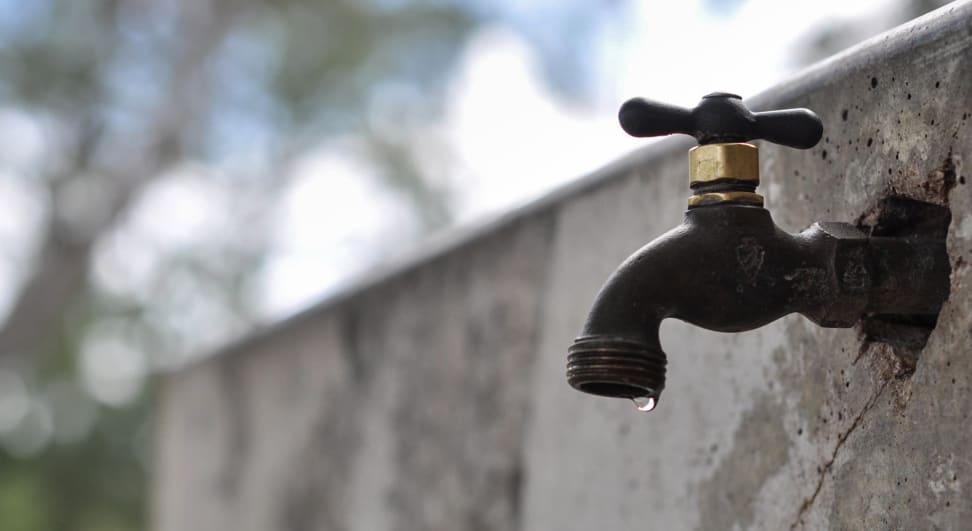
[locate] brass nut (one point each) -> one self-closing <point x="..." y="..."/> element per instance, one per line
<point x="711" y="162"/>
<point x="747" y="198"/>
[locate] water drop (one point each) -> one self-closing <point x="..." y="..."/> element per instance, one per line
<point x="644" y="403"/>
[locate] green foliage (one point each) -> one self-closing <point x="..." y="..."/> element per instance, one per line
<point x="335" y="54"/>
<point x="58" y="61"/>
<point x="97" y="484"/>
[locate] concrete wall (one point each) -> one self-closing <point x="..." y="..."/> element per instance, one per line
<point x="433" y="397"/>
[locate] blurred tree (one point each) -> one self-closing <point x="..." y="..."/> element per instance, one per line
<point x="205" y="104"/>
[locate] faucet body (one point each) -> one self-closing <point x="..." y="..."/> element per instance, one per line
<point x="729" y="268"/>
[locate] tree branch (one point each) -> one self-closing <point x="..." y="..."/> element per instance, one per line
<point x="62" y="264"/>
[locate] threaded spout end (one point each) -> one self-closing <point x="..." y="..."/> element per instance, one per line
<point x="615" y="367"/>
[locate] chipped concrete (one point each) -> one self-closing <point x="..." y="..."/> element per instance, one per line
<point x="432" y="396"/>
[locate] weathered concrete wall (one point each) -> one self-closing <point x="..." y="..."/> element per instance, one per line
<point x="433" y="397"/>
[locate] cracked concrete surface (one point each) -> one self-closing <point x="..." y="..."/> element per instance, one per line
<point x="825" y="469"/>
<point x="433" y="397"/>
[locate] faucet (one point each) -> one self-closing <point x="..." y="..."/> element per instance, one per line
<point x="729" y="268"/>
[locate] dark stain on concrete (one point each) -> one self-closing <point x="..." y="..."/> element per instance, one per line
<point x="934" y="187"/>
<point x="760" y="448"/>
<point x="237" y="417"/>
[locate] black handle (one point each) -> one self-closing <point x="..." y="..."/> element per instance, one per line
<point x="719" y="118"/>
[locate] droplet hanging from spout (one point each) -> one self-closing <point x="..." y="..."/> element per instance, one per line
<point x="644" y="403"/>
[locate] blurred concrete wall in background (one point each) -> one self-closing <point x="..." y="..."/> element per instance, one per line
<point x="433" y="397"/>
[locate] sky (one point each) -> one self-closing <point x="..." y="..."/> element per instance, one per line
<point x="515" y="140"/>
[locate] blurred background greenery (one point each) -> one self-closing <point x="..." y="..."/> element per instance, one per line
<point x="160" y="159"/>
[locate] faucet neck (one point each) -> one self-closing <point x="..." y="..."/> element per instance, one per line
<point x="724" y="173"/>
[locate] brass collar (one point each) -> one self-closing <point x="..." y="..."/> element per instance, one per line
<point x="712" y="162"/>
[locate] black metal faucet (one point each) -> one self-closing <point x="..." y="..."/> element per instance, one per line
<point x="729" y="268"/>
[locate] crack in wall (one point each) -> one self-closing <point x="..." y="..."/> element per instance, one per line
<point x="825" y="469"/>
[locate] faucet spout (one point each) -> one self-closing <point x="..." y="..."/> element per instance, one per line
<point x="729" y="268"/>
